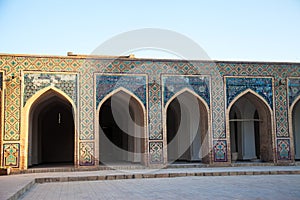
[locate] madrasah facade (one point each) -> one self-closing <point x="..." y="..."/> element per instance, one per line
<point x="97" y="110"/>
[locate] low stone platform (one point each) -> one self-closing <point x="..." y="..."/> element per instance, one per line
<point x="14" y="186"/>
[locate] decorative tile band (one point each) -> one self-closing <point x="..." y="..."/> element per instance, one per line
<point x="34" y="82"/>
<point x="220" y="150"/>
<point x="283" y="149"/>
<point x="156" y="152"/>
<point x="108" y="83"/>
<point x="294" y="89"/>
<point x="199" y="84"/>
<point x="262" y="86"/>
<point x="154" y="112"/>
<point x="11" y="154"/>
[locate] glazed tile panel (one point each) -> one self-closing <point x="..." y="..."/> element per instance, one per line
<point x="35" y="82"/>
<point x="156" y="152"/>
<point x="294" y="89"/>
<point x="262" y="86"/>
<point x="11" y="154"/>
<point x="108" y="83"/>
<point x="220" y="150"/>
<point x="283" y="149"/>
<point x="199" y="84"/>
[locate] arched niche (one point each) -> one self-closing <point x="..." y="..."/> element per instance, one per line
<point x="122" y="129"/>
<point x="250" y="127"/>
<point x="51" y="130"/>
<point x="187" y="127"/>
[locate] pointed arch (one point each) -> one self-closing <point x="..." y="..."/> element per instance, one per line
<point x="42" y="96"/>
<point x="294" y="103"/>
<point x="292" y="128"/>
<point x="192" y="93"/>
<point x="41" y="92"/>
<point x="120" y="89"/>
<point x="140" y="104"/>
<point x="253" y="93"/>
<point x="266" y="129"/>
<point x="203" y="132"/>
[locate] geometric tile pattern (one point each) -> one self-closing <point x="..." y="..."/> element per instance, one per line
<point x="283" y="149"/>
<point x="280" y="72"/>
<point x="12" y="111"/>
<point x="86" y="106"/>
<point x="199" y="84"/>
<point x="12" y="98"/>
<point x="156" y="152"/>
<point x="108" y="83"/>
<point x="155" y="117"/>
<point x="262" y="86"/>
<point x="218" y="104"/>
<point x="220" y="150"/>
<point x="34" y="82"/>
<point x="155" y="69"/>
<point x="11" y="152"/>
<point x="294" y="89"/>
<point x="13" y="66"/>
<point x="281" y="111"/>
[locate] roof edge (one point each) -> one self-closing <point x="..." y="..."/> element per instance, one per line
<point x="131" y="57"/>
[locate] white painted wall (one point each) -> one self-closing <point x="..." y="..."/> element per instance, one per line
<point x="246" y="148"/>
<point x="296" y="129"/>
<point x="187" y="142"/>
<point x="129" y="124"/>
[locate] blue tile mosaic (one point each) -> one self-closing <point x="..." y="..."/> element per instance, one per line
<point x="34" y="82"/>
<point x="199" y="84"/>
<point x="108" y="83"/>
<point x="262" y="86"/>
<point x="294" y="89"/>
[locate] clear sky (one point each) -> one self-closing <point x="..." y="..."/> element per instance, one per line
<point x="254" y="30"/>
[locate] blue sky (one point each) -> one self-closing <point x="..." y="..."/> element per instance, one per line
<point x="254" y="30"/>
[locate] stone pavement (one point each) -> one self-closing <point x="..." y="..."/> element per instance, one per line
<point x="63" y="183"/>
<point x="193" y="187"/>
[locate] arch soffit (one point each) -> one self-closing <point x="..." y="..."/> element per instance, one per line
<point x="253" y="93"/>
<point x="190" y="92"/>
<point x="294" y="103"/>
<point x="121" y="89"/>
<point x="30" y="102"/>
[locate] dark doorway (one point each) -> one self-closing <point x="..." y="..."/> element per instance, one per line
<point x="51" y="131"/>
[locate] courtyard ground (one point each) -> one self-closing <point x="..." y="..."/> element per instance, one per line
<point x="193" y="187"/>
<point x="244" y="182"/>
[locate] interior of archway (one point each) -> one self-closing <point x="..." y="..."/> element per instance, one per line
<point x="250" y="130"/>
<point x="121" y="130"/>
<point x="296" y="129"/>
<point x="187" y="127"/>
<point x="51" y="131"/>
